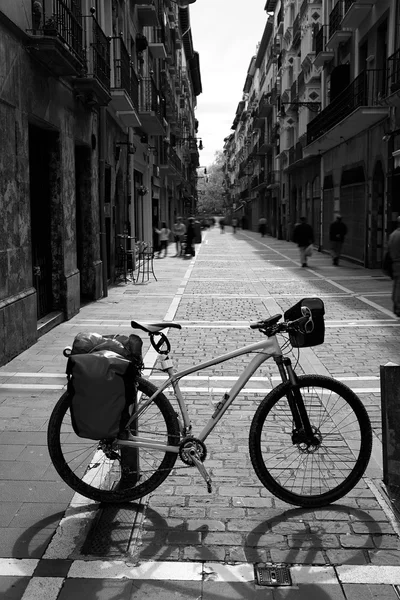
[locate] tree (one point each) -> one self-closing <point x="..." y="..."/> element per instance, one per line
<point x="211" y="192"/>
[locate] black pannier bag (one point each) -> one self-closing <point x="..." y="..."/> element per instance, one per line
<point x="303" y="339"/>
<point x="101" y="385"/>
<point x="128" y="347"/>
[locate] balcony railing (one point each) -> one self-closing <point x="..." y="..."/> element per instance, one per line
<point x="134" y="87"/>
<point x="303" y="8"/>
<point x="122" y="65"/>
<point x="63" y="20"/>
<point x="347" y="4"/>
<point x="393" y="72"/>
<point x="98" y="52"/>
<point x="296" y="30"/>
<point x="150" y="100"/>
<point x="335" y="18"/>
<point x="321" y="39"/>
<point x="365" y="90"/>
<point x="272" y="178"/>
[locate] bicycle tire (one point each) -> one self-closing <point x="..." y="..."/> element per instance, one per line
<point x="84" y="466"/>
<point x="305" y="477"/>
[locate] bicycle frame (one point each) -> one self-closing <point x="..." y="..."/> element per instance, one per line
<point x="266" y="349"/>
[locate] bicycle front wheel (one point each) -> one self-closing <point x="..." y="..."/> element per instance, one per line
<point x="311" y="475"/>
<point x="106" y="472"/>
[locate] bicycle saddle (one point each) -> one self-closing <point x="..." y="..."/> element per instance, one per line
<point x="154" y="327"/>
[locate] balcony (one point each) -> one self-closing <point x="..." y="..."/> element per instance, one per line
<point x="393" y="73"/>
<point x="323" y="54"/>
<point x="355" y="12"/>
<point x="272" y="180"/>
<point x="353" y="111"/>
<point x="56" y="39"/>
<point x="151" y="108"/>
<point x="147" y="14"/>
<point x="124" y="98"/>
<point x="157" y="46"/>
<point x="296" y="31"/>
<point x="337" y="35"/>
<point x="294" y="97"/>
<point x="94" y="85"/>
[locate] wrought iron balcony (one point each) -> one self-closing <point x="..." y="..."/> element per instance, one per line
<point x="303" y="8"/>
<point x="157" y="44"/>
<point x="124" y="85"/>
<point x="121" y="74"/>
<point x="94" y="84"/>
<point x="393" y="72"/>
<point x="322" y="53"/>
<point x="355" y="109"/>
<point x="273" y="179"/>
<point x="296" y="31"/>
<point x="151" y="107"/>
<point x="335" y="17"/>
<point x="57" y="29"/>
<point x="337" y="34"/>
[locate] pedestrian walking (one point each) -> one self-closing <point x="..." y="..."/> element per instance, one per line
<point x="337" y="233"/>
<point x="222" y="225"/>
<point x="394" y="252"/>
<point x="163" y="234"/>
<point x="190" y="238"/>
<point x="262" y="226"/>
<point x="303" y="236"/>
<point x="179" y="230"/>
<point x="234" y="224"/>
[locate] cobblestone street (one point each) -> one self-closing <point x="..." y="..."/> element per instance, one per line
<point x="195" y="544"/>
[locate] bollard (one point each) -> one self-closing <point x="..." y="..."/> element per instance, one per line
<point x="390" y="403"/>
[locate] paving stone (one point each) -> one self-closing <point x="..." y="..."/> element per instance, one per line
<point x="384" y="557"/>
<point x="24" y="543"/>
<point x="310" y="592"/>
<point x="369" y="592"/>
<point x="13" y="588"/>
<point x="235" y="591"/>
<point x="296" y="556"/>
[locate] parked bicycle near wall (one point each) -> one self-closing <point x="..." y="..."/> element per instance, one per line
<point x="310" y="438"/>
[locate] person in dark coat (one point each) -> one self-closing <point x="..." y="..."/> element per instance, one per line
<point x="303" y="236"/>
<point x="337" y="233"/>
<point x="190" y="237"/>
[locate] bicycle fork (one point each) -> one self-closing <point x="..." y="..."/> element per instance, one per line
<point x="303" y="431"/>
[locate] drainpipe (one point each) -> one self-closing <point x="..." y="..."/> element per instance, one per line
<point x="102" y="190"/>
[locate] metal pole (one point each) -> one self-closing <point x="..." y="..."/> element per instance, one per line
<point x="102" y="190"/>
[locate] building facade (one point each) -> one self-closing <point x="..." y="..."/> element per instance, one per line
<point x="324" y="99"/>
<point x="97" y="104"/>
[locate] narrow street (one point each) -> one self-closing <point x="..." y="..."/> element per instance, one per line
<point x="181" y="542"/>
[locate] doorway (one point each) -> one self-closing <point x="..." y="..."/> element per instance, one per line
<point x="83" y="220"/>
<point x="43" y="147"/>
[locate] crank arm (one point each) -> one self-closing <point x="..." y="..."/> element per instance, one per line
<point x="203" y="472"/>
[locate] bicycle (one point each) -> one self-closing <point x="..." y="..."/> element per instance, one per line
<point x="310" y="438"/>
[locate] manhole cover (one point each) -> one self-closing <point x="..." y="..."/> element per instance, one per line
<point x="273" y="576"/>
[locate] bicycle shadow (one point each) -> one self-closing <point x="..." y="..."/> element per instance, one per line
<point x="209" y="587"/>
<point x="311" y="550"/>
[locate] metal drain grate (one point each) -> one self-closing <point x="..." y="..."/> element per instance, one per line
<point x="272" y="576"/>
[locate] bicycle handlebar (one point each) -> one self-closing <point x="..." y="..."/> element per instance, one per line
<point x="272" y="327"/>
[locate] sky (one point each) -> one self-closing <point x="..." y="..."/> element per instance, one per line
<point x="225" y="33"/>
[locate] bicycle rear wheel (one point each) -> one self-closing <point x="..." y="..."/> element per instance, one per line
<point x="311" y="476"/>
<point x="102" y="470"/>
